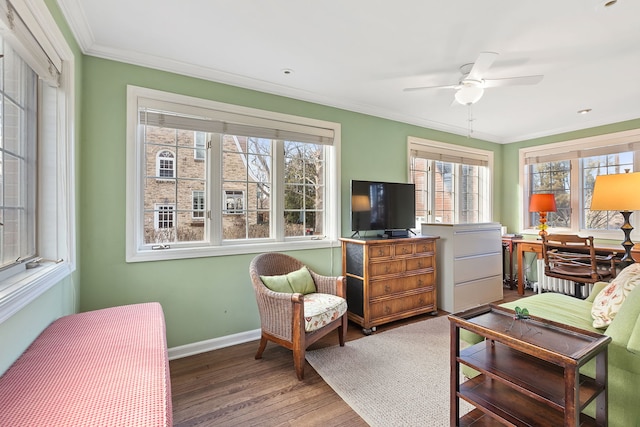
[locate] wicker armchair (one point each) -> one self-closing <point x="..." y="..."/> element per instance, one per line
<point x="282" y="315"/>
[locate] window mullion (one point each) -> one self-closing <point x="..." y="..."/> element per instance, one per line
<point x="277" y="210"/>
<point x="457" y="188"/>
<point x="575" y="182"/>
<point x="213" y="202"/>
<point x="431" y="196"/>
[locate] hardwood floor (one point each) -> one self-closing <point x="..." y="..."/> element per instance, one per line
<point x="228" y="387"/>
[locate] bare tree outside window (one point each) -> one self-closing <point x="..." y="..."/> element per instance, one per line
<point x="553" y="177"/>
<point x="304" y="188"/>
<point x="602" y="165"/>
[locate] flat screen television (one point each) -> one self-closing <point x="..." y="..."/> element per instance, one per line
<point x="387" y="206"/>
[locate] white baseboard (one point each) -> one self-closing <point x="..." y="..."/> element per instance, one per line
<point x="213" y="344"/>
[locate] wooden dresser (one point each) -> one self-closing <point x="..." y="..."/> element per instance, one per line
<point x="389" y="279"/>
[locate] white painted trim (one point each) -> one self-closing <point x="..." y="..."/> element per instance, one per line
<point x="29" y="285"/>
<point x="213" y="344"/>
<point x="78" y="23"/>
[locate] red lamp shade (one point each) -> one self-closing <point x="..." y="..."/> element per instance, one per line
<point x="542" y="202"/>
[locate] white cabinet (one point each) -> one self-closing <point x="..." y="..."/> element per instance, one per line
<point x="469" y="264"/>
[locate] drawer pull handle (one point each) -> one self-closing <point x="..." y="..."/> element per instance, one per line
<point x="387" y="309"/>
<point x="420" y="264"/>
<point x="420" y="282"/>
<point x="380" y="252"/>
<point x="387" y="288"/>
<point x="387" y="269"/>
<point x="405" y="251"/>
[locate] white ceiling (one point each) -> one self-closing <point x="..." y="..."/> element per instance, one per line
<point x="360" y="54"/>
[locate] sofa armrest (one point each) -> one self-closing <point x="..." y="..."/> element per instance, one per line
<point x="633" y="345"/>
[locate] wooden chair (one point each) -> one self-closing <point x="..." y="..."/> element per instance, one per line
<point x="282" y="315"/>
<point x="574" y="258"/>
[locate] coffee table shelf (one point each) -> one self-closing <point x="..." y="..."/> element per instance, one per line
<point x="529" y="371"/>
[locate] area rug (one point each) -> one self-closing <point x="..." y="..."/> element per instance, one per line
<point x="398" y="377"/>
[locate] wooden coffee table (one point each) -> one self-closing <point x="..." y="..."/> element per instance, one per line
<point x="529" y="371"/>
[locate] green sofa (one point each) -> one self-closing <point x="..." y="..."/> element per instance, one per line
<point x="624" y="349"/>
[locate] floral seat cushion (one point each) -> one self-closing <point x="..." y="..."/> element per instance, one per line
<point x="322" y="309"/>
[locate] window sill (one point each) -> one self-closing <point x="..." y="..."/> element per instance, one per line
<point x="19" y="290"/>
<point x="612" y="235"/>
<point x="202" y="252"/>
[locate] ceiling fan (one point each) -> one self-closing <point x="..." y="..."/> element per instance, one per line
<point x="471" y="86"/>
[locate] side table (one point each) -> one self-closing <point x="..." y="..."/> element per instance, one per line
<point x="529" y="371"/>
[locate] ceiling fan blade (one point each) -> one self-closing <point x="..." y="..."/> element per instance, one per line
<point x="482" y="64"/>
<point x="411" y="89"/>
<point x="513" y="81"/>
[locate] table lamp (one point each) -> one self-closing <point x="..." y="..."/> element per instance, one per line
<point x="618" y="192"/>
<point x="542" y="203"/>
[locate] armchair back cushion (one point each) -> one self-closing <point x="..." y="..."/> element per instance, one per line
<point x="299" y="281"/>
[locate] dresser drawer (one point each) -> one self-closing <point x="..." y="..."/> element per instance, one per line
<point x="419" y="263"/>
<point x="402" y="284"/>
<point x="390" y="307"/>
<point x="404" y="249"/>
<point x="425" y="247"/>
<point x="379" y="251"/>
<point x="382" y="268"/>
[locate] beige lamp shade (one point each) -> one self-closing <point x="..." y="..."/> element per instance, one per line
<point x="618" y="192"/>
<point x="542" y="202"/>
<point x="360" y="203"/>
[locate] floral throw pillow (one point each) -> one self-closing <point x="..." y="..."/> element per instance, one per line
<point x="607" y="303"/>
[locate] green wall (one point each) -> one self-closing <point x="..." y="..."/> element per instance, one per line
<point x="211" y="297"/>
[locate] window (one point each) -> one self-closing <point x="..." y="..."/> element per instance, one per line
<point x="164" y="164"/>
<point x="200" y="143"/>
<point x="272" y="179"/>
<point x="233" y="202"/>
<point x="36" y="155"/>
<point x="164" y="217"/>
<point x="198" y="204"/>
<point x="18" y="165"/>
<point x="452" y="182"/>
<point x="568" y="170"/>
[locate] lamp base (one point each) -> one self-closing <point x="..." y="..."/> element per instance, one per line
<point x="543" y="225"/>
<point x="627" y="259"/>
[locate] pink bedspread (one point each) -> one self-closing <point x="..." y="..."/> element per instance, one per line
<point x="101" y="368"/>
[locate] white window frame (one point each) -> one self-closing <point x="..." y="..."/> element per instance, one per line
<point x="442" y="151"/>
<point x="573" y="150"/>
<point x="138" y="251"/>
<point x="56" y="234"/>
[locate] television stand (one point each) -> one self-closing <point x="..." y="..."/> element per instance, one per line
<point x="389" y="280"/>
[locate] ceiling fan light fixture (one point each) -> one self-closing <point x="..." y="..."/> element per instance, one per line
<point x="469" y="94"/>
